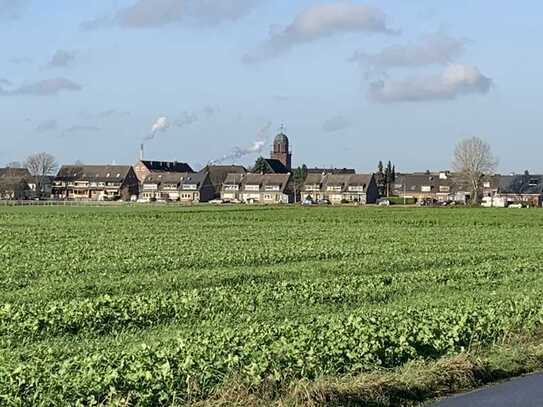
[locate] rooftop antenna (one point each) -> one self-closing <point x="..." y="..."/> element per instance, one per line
<point x="141" y="152"/>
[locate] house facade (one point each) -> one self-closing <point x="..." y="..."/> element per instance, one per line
<point x="442" y="186"/>
<point x="257" y="188"/>
<point x="183" y="187"/>
<point x="95" y="183"/>
<point x="340" y="188"/>
<point x="217" y="176"/>
<point x="15" y="184"/>
<point x="502" y="190"/>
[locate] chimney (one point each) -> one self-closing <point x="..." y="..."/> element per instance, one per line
<point x="141" y="152"/>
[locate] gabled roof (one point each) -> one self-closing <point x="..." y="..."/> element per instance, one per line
<point x="14" y="173"/>
<point x="167" y="166"/>
<point x="264" y="180"/>
<point x="233" y="179"/>
<point x="314" y="179"/>
<point x="276" y="166"/>
<point x="218" y="173"/>
<point x="93" y="173"/>
<point x="360" y="180"/>
<point x="180" y="178"/>
<point x="338" y="180"/>
<point x="331" y="171"/>
<point x="520" y="184"/>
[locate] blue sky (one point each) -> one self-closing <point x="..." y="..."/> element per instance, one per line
<point x="354" y="82"/>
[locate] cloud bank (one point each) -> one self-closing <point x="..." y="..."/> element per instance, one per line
<point x="336" y="123"/>
<point x="157" y="13"/>
<point x="432" y="49"/>
<point x="319" y="21"/>
<point x="46" y="125"/>
<point x="61" y="58"/>
<point x="45" y="87"/>
<point x="12" y="9"/>
<point x="456" y="80"/>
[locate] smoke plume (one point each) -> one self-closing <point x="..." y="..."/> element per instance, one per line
<point x="162" y="124"/>
<point x="262" y="139"/>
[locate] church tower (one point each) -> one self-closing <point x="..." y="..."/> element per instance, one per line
<point x="281" y="150"/>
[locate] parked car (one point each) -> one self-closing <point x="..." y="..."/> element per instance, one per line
<point x="324" y="202"/>
<point x="307" y="202"/>
<point x="383" y="202"/>
<point x="216" y="201"/>
<point x="516" y="206"/>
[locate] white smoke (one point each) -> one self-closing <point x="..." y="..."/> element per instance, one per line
<point x="262" y="139"/>
<point x="160" y="125"/>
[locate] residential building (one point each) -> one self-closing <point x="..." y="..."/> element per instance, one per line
<point x="15" y="184"/>
<point x="258" y="188"/>
<point x="340" y="188"/>
<point x="143" y="168"/>
<point x="217" y="175"/>
<point x="184" y="187"/>
<point x="440" y="186"/>
<point x="501" y="190"/>
<point x="95" y="183"/>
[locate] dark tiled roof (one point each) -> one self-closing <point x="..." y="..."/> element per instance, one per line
<point x="218" y="173"/>
<point x="331" y="171"/>
<point x="266" y="179"/>
<point x="167" y="166"/>
<point x="276" y="166"/>
<point x="520" y="184"/>
<point x="360" y="180"/>
<point x="14" y="172"/>
<point x="158" y="177"/>
<point x="93" y="173"/>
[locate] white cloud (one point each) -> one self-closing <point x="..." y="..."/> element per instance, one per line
<point x="156" y="13"/>
<point x="321" y="21"/>
<point x="456" y="80"/>
<point x="46" y="125"/>
<point x="62" y="58"/>
<point x="336" y="123"/>
<point x="432" y="49"/>
<point x="43" y="88"/>
<point x="11" y="9"/>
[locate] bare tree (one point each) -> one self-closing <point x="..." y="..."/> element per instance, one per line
<point x="14" y="164"/>
<point x="473" y="159"/>
<point x="41" y="165"/>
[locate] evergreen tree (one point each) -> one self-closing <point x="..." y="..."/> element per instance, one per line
<point x="260" y="165"/>
<point x="298" y="179"/>
<point x="380" y="179"/>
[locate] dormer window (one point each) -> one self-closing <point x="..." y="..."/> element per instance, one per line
<point x="107" y="175"/>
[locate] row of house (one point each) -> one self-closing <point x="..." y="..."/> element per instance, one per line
<point x="272" y="182"/>
<point x="444" y="186"/>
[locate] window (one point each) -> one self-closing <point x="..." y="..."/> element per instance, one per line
<point x="426" y="188"/>
<point x="335" y="188"/>
<point x="398" y="186"/>
<point x="533" y="182"/>
<point x="356" y="188"/>
<point x="444" y="188"/>
<point x="272" y="188"/>
<point x="486" y="184"/>
<point x="107" y="175"/>
<point x="252" y="187"/>
<point x="190" y="187"/>
<point x="231" y="187"/>
<point x="268" y="197"/>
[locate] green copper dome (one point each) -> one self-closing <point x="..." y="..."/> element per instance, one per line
<point x="281" y="138"/>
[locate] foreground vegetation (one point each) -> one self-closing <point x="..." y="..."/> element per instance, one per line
<point x="161" y="306"/>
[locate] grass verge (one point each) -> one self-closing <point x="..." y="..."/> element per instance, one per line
<point x="412" y="384"/>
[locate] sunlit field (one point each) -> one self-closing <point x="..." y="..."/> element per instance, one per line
<point x="150" y="306"/>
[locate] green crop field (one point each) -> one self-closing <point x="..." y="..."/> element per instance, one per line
<point x="174" y="306"/>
